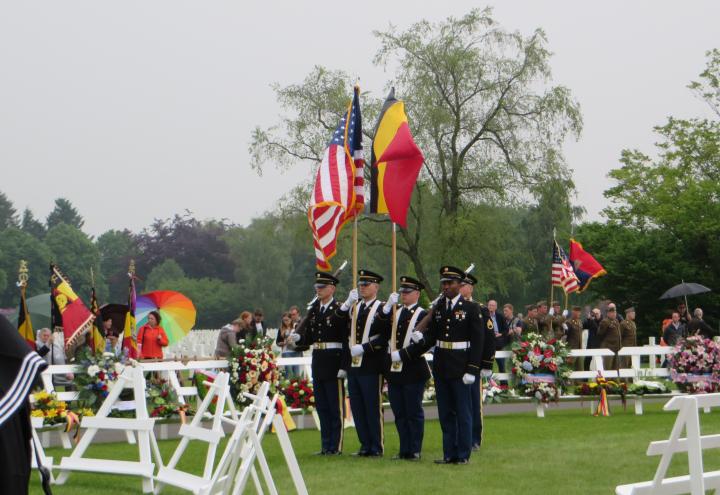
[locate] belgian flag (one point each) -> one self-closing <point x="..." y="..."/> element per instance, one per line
<point x="68" y="309"/>
<point x="396" y="162"/>
<point x="98" y="336"/>
<point x="24" y="324"/>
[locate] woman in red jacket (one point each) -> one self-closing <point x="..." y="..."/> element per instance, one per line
<point x="151" y="338"/>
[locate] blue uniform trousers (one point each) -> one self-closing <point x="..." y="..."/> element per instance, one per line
<point x="454" y="403"/>
<point x="366" y="405"/>
<point x="477" y="412"/>
<point x="406" y="403"/>
<point x="330" y="406"/>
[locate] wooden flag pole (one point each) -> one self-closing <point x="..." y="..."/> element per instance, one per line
<point x="552" y="287"/>
<point x="393" y="333"/>
<point x="356" y="307"/>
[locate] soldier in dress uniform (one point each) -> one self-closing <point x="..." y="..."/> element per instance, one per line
<point x="407" y="371"/>
<point x="530" y="322"/>
<point x="325" y="328"/>
<point x="573" y="334"/>
<point x="456" y="332"/>
<point x="368" y="354"/>
<point x="488" y="359"/>
<point x="544" y="320"/>
<point x="609" y="335"/>
<point x="557" y="321"/>
<point x="628" y="334"/>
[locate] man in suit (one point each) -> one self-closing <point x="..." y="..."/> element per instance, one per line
<point x="456" y="331"/>
<point x="407" y="371"/>
<point x="259" y="323"/>
<point x="500" y="331"/>
<point x="368" y="352"/>
<point x="326" y="330"/>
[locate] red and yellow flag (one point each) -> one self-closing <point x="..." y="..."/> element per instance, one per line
<point x="98" y="337"/>
<point x="396" y="162"/>
<point x="24" y="324"/>
<point x="128" y="343"/>
<point x="75" y="317"/>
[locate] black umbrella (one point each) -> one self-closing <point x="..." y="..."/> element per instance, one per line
<point x="684" y="289"/>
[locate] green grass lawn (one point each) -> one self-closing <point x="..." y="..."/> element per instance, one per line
<point x="568" y="452"/>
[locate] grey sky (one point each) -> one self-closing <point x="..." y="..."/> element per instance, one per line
<point x="136" y="110"/>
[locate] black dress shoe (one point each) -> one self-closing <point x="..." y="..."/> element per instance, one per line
<point x="332" y="452"/>
<point x="444" y="461"/>
<point x="374" y="454"/>
<point x="360" y="453"/>
<point x="476" y="447"/>
<point x="322" y="452"/>
<point x="461" y="461"/>
<point x="413" y="457"/>
<point x="397" y="457"/>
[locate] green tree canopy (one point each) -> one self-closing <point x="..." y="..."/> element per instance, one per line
<point x="8" y="213"/>
<point x="76" y="254"/>
<point x="64" y="212"/>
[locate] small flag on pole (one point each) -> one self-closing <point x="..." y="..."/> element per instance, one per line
<point x="23" y="323"/>
<point x="563" y="274"/>
<point x="586" y="266"/>
<point x="74" y="316"/>
<point x="128" y="343"/>
<point x="98" y="337"/>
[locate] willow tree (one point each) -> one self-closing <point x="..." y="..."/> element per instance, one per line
<point x="481" y="106"/>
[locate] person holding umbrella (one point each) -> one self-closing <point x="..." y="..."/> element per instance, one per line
<point x="151" y="338"/>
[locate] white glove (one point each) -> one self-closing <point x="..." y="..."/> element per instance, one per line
<point x="485" y="373"/>
<point x="395" y="356"/>
<point x="565" y="327"/>
<point x="551" y="312"/>
<point x="294" y="337"/>
<point x="357" y="350"/>
<point x="416" y="336"/>
<point x="392" y="301"/>
<point x="342" y="374"/>
<point x="565" y="313"/>
<point x="468" y="379"/>
<point x="351" y="299"/>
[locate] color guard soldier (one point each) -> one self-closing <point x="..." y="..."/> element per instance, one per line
<point x="610" y="338"/>
<point x="456" y="332"/>
<point x="466" y="289"/>
<point x="407" y="371"/>
<point x="326" y="329"/>
<point x="557" y="321"/>
<point x="573" y="334"/>
<point x="368" y="354"/>
<point x="530" y="321"/>
<point x="544" y="320"/>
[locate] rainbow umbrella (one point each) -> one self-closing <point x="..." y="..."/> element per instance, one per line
<point x="176" y="311"/>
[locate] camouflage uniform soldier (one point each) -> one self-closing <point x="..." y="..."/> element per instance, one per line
<point x="628" y="335"/>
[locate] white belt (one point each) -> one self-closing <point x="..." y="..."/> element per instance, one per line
<point x="321" y="346"/>
<point x="441" y="344"/>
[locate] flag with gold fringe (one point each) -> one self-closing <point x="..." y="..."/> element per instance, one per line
<point x="24" y="324"/>
<point x="75" y="318"/>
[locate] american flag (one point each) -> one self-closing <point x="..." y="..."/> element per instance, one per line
<point x="338" y="195"/>
<point x="563" y="274"/>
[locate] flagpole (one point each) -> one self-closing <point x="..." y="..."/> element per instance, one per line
<point x="92" y="331"/>
<point x="551" y="280"/>
<point x="353" y="323"/>
<point x="393" y="332"/>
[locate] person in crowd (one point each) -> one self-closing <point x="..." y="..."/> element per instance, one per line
<point x="326" y="330"/>
<point x="227" y="338"/>
<point x="151" y="338"/>
<point x="456" y="330"/>
<point x="500" y="331"/>
<point x="367" y="352"/>
<point x="697" y="325"/>
<point x="591" y="324"/>
<point x="610" y="338"/>
<point x="572" y="329"/>
<point x="295" y="316"/>
<point x="259" y="323"/>
<point x="682" y="310"/>
<point x="112" y="343"/>
<point x="628" y="334"/>
<point x="544" y="320"/>
<point x="512" y="323"/>
<point x="287" y="345"/>
<point x="407" y="372"/>
<point x="612" y="305"/>
<point x="51" y="350"/>
<point x="247" y="332"/>
<point x="675" y="330"/>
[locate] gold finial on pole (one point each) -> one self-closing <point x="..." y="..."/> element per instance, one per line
<point x="131" y="268"/>
<point x="23" y="276"/>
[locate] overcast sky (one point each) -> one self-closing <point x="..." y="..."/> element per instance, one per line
<point x="135" y="110"/>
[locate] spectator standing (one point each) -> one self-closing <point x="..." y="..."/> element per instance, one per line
<point x="227" y="338"/>
<point x="259" y="323"/>
<point x="151" y="338"/>
<point x="698" y="326"/>
<point x="501" y="331"/>
<point x="247" y="332"/>
<point x="675" y="330"/>
<point x="287" y="345"/>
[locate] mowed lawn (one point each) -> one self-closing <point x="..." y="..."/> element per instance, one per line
<point x="567" y="452"/>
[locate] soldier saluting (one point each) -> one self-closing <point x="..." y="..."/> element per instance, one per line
<point x="326" y="329"/>
<point x="455" y="330"/>
<point x="368" y="349"/>
<point x="406" y="371"/>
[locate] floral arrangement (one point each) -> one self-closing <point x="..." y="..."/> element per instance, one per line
<point x="646" y="387"/>
<point x="46" y="405"/>
<point x="298" y="393"/>
<point x="695" y="365"/>
<point x="162" y="400"/>
<point x="99" y="373"/>
<point x="611" y="387"/>
<point x="250" y="365"/>
<point x="539" y="367"/>
<point x="495" y="393"/>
